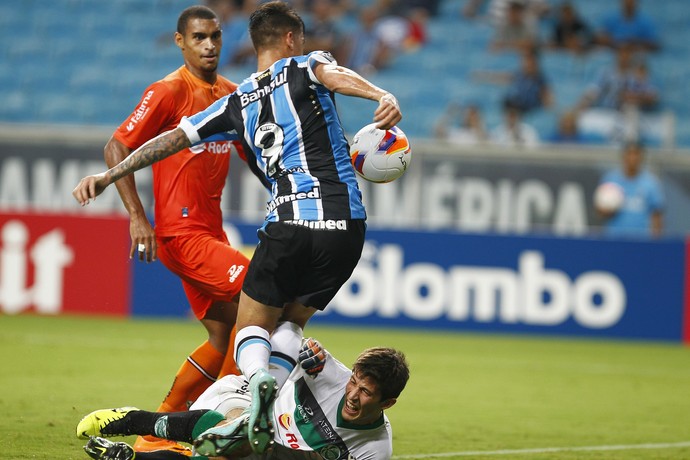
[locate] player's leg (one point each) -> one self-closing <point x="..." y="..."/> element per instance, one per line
<point x="272" y="281"/>
<point x="286" y="340"/>
<point x="229" y="365"/>
<point x="202" y="366"/>
<point x="126" y="421"/>
<point x="217" y="270"/>
<point x="253" y="351"/>
<point x="212" y="273"/>
<point x="229" y="396"/>
<point x="225" y="438"/>
<point x="199" y="370"/>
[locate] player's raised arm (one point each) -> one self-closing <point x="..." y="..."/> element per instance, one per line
<point x="345" y="81"/>
<point x="156" y="149"/>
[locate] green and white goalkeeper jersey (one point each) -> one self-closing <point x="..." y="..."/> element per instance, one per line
<point x="307" y="416"/>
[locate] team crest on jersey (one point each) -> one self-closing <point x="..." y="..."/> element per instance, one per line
<point x="330" y="452"/>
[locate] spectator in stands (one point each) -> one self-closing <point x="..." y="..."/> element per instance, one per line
<point x="641" y="92"/>
<point x="570" y="32"/>
<point x="608" y="90"/>
<point x="629" y="27"/>
<point x="365" y="52"/>
<point x="461" y="125"/>
<point x="322" y="31"/>
<point x="513" y="131"/>
<point x="417" y="28"/>
<point x="515" y="33"/>
<point x="568" y="132"/>
<point x="534" y="11"/>
<point x="401" y="25"/>
<point x="430" y="7"/>
<point x="529" y="89"/>
<point x="612" y="105"/>
<point x="234" y="15"/>
<point x="643" y="205"/>
<point x="339" y="7"/>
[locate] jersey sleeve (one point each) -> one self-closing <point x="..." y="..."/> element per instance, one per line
<point x="153" y="114"/>
<point x="210" y="122"/>
<point x="315" y="58"/>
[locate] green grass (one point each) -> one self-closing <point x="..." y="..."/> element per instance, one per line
<point x="467" y="393"/>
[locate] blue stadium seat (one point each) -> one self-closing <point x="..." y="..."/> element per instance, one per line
<point x="107" y="52"/>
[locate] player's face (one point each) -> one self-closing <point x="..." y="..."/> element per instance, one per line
<point x="362" y="401"/>
<point x="201" y="45"/>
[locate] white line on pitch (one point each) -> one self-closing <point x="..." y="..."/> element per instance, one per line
<point x="546" y="450"/>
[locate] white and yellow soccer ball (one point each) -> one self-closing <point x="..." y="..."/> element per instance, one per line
<point x="609" y="197"/>
<point x="380" y="155"/>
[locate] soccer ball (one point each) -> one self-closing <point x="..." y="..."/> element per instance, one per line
<point x="609" y="197"/>
<point x="378" y="155"/>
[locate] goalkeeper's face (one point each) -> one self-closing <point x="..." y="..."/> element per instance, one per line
<point x="363" y="403"/>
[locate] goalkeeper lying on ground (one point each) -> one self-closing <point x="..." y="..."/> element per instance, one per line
<point x="324" y="411"/>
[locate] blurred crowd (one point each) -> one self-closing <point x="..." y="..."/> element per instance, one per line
<point x="381" y="29"/>
<point x="621" y="104"/>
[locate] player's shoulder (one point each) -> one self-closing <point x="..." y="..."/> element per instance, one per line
<point x="226" y="84"/>
<point x="323" y="57"/>
<point x="172" y="83"/>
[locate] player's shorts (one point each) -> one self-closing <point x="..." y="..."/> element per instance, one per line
<point x="210" y="269"/>
<point x="224" y="395"/>
<point x="302" y="261"/>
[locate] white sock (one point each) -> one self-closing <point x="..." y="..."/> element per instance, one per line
<point x="286" y="341"/>
<point x="252" y="350"/>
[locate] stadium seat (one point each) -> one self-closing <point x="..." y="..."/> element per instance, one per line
<point x="77" y="47"/>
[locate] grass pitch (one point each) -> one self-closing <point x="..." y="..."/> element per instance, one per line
<point x="470" y="396"/>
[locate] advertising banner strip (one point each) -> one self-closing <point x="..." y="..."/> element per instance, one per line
<point x="63" y="263"/>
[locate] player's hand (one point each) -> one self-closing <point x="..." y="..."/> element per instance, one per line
<point x="89" y="188"/>
<point x="143" y="236"/>
<point x="388" y="112"/>
<point x="312" y="357"/>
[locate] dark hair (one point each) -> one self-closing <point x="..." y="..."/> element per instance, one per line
<point x="271" y="21"/>
<point x="194" y="12"/>
<point x="387" y="367"/>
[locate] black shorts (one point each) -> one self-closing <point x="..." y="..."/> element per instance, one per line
<point x="300" y="262"/>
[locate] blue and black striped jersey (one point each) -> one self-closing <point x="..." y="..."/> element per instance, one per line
<point x="293" y="138"/>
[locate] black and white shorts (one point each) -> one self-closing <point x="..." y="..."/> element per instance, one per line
<point x="303" y="261"/>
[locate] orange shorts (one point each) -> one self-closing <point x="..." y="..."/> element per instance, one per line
<point x="209" y="267"/>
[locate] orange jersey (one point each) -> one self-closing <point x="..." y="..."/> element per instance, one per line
<point x="187" y="186"/>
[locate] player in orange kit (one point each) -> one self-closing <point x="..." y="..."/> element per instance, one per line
<point x="189" y="237"/>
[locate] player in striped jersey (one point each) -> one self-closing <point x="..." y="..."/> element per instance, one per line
<point x="314" y="231"/>
<point x="324" y="411"/>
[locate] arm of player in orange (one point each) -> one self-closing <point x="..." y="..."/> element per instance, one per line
<point x="349" y="83"/>
<point x="156" y="149"/>
<point x="140" y="230"/>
